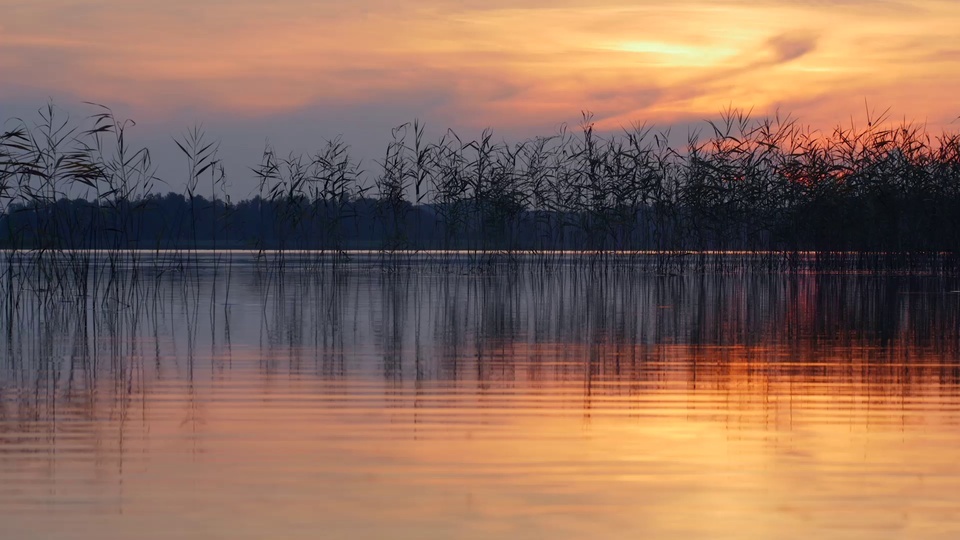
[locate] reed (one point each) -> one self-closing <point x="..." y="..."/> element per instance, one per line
<point x="78" y="203"/>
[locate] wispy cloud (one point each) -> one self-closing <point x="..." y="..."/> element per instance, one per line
<point x="497" y="62"/>
<point x="790" y="46"/>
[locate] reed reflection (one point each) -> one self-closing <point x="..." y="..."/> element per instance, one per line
<point x="516" y="326"/>
<point x="510" y="396"/>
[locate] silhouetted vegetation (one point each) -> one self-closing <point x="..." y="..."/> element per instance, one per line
<point x="768" y="187"/>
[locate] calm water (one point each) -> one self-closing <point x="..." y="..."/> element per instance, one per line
<point x="429" y="404"/>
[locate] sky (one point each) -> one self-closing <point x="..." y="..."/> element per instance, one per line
<point x="295" y="72"/>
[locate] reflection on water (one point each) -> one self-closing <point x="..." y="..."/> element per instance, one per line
<point x="419" y="404"/>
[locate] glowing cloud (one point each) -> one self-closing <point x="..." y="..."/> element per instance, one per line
<point x="514" y="64"/>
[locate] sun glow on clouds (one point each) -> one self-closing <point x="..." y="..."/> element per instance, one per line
<point x="672" y="54"/>
<point x="512" y="64"/>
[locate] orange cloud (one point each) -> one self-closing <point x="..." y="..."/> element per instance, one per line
<point x="510" y="64"/>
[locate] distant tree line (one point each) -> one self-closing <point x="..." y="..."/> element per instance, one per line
<point x="739" y="184"/>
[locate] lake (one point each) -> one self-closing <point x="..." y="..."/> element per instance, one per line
<point x="226" y="399"/>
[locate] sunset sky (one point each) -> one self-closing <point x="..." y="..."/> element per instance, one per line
<point x="296" y="71"/>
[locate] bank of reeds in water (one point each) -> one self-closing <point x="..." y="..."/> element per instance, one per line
<point x="80" y="205"/>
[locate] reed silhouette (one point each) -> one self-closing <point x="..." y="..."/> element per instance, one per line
<point x="744" y="193"/>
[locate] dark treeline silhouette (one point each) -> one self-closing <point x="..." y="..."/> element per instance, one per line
<point x="766" y="185"/>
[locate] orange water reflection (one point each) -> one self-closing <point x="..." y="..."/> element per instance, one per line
<point x="727" y="408"/>
<point x="720" y="442"/>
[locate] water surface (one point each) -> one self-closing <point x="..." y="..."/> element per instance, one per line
<point x="429" y="403"/>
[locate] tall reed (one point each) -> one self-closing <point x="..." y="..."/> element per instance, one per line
<point x="766" y="193"/>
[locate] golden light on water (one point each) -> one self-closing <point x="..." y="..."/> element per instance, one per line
<point x="725" y="442"/>
<point x="470" y="406"/>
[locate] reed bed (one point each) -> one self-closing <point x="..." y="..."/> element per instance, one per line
<point x="81" y="217"/>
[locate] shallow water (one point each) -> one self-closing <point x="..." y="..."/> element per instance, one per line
<point x="431" y="404"/>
